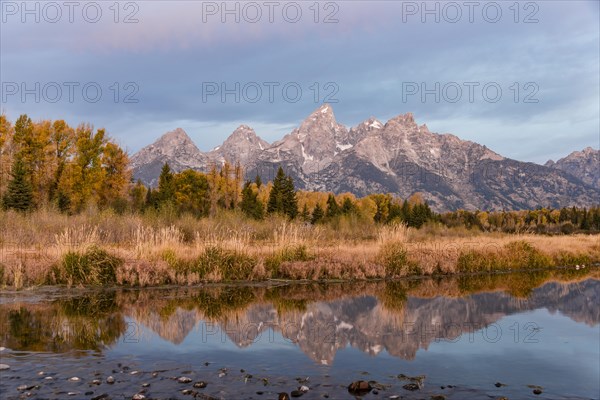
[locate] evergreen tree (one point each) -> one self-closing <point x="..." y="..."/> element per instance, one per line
<point x="333" y="209"/>
<point x="19" y="194"/>
<point x="258" y="181"/>
<point x="290" y="200"/>
<point x="317" y="214"/>
<point x="305" y="215"/>
<point x="250" y="205"/>
<point x="166" y="186"/>
<point x="282" y="198"/>
<point x="348" y="207"/>
<point x="149" y="198"/>
<point x="585" y="221"/>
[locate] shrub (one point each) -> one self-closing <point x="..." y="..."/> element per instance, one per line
<point x="394" y="258"/>
<point x="521" y="254"/>
<point x="92" y="267"/>
<point x="286" y="254"/>
<point x="214" y="264"/>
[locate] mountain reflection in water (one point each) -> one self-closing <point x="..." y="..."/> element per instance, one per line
<point x="400" y="317"/>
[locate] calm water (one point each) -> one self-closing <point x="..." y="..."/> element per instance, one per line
<point x="462" y="334"/>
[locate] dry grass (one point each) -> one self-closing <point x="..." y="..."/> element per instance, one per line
<point x="154" y="250"/>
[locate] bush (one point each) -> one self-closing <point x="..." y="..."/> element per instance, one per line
<point x="521" y="254"/>
<point x="214" y="264"/>
<point x="287" y="254"/>
<point x="394" y="258"/>
<point x="93" y="267"/>
<point x="513" y="256"/>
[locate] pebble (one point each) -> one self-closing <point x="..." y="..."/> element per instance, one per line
<point x="4" y="366"/>
<point x="110" y="380"/>
<point x="498" y="384"/>
<point x="74" y="379"/>
<point x="283" y="396"/>
<point x="537" y="391"/>
<point x="134" y="372"/>
<point x="184" y="379"/>
<point x="296" y="393"/>
<point x="145" y="384"/>
<point x="96" y="382"/>
<point x="102" y="396"/>
<point x="200" y="385"/>
<point x="187" y="391"/>
<point x="138" y="396"/>
<point x="73" y="393"/>
<point x="41" y="373"/>
<point x="303" y="389"/>
<point x="48" y="378"/>
<point x="411" y="387"/>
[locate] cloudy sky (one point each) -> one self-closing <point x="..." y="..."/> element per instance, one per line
<point x="521" y="77"/>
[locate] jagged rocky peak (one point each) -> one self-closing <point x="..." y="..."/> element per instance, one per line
<point x="313" y="145"/>
<point x="173" y="144"/>
<point x="584" y="164"/>
<point x="177" y="137"/>
<point x="244" y="133"/>
<point x="322" y="116"/>
<point x="406" y="121"/>
<point x="241" y="146"/>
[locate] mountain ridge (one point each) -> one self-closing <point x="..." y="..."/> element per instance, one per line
<point x="398" y="157"/>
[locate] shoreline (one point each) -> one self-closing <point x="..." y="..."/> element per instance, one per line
<point x="593" y="270"/>
<point x="399" y="257"/>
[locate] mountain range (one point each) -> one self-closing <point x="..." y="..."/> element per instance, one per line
<point x="398" y="157"/>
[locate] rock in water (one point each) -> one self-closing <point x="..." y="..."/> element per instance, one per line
<point x="359" y="388"/>
<point x="4" y="366"/>
<point x="411" y="386"/>
<point x="283" y="396"/>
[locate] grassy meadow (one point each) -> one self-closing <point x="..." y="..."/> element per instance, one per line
<point x="102" y="248"/>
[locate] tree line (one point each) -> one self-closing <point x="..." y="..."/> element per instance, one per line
<point x="51" y="164"/>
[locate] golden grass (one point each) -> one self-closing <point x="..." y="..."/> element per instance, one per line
<point x="157" y="250"/>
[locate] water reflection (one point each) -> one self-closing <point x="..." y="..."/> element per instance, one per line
<point x="320" y="319"/>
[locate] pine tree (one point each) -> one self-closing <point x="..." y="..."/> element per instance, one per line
<point x="250" y="205"/>
<point x="19" y="194"/>
<point x="585" y="222"/>
<point x="348" y="207"/>
<point x="150" y="199"/>
<point x="317" y="214"/>
<point x="333" y="209"/>
<point x="282" y="198"/>
<point x="166" y="186"/>
<point x="290" y="201"/>
<point x="258" y="181"/>
<point x="305" y="215"/>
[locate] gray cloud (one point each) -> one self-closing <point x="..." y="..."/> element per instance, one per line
<point x="365" y="62"/>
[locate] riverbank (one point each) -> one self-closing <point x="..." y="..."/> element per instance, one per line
<point x="256" y="340"/>
<point x="106" y="250"/>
